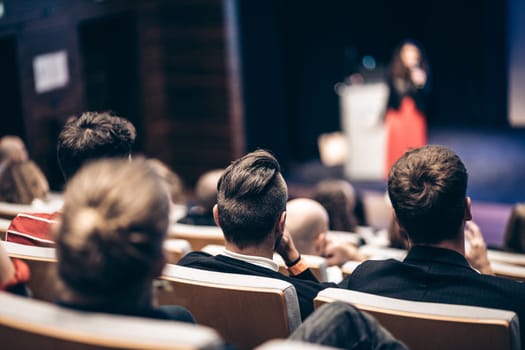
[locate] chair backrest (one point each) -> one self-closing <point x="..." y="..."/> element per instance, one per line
<point x="514" y="272"/>
<point x="42" y="264"/>
<point x="282" y="344"/>
<point x="4" y="225"/>
<point x="54" y="203"/>
<point x="506" y="257"/>
<point x="429" y="326"/>
<point x="198" y="236"/>
<point x="245" y="310"/>
<point x="31" y="324"/>
<point x="175" y="249"/>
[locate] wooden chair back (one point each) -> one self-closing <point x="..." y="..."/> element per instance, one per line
<point x="198" y="236"/>
<point x="429" y="326"/>
<point x="175" y="249"/>
<point x="30" y="324"/>
<point x="245" y="310"/>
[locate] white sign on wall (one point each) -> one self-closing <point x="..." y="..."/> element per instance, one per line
<point x="50" y="71"/>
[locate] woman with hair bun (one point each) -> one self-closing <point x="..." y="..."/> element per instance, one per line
<point x="109" y="240"/>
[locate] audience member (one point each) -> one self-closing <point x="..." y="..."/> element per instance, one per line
<point x="109" y="240"/>
<point x="427" y="187"/>
<point x="251" y="211"/>
<point x="21" y="180"/>
<point x="514" y="236"/>
<point x="343" y="204"/>
<point x="171" y="179"/>
<point x="307" y="222"/>
<point x="88" y="137"/>
<point x="201" y="212"/>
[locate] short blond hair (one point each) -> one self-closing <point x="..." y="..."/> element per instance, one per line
<point x="114" y="220"/>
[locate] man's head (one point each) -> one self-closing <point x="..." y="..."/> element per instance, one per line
<point x="93" y="136"/>
<point x="307" y="222"/>
<point x="427" y="187"/>
<point x="206" y="189"/>
<point x="251" y="199"/>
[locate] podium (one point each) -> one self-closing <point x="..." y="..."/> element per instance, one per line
<point x="362" y="110"/>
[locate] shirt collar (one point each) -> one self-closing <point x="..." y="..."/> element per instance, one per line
<point x="252" y="259"/>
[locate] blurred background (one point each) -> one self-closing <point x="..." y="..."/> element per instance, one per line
<point x="205" y="81"/>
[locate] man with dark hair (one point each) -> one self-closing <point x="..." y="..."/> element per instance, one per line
<point x="88" y="137"/>
<point x="251" y="211"/>
<point x="427" y="187"/>
<point x="93" y="136"/>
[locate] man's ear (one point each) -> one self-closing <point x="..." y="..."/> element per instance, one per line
<point x="468" y="212"/>
<point x="216" y="215"/>
<point x="282" y="222"/>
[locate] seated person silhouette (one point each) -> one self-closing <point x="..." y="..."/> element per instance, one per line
<point x="251" y="211"/>
<point x="427" y="187"/>
<point x="307" y="222"/>
<point x="109" y="240"/>
<point x="201" y="212"/>
<point x="343" y="204"/>
<point x="88" y="137"/>
<point x="21" y="180"/>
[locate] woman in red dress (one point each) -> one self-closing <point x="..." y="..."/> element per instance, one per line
<point x="409" y="85"/>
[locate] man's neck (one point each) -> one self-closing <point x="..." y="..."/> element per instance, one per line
<point x="263" y="250"/>
<point x="455" y="245"/>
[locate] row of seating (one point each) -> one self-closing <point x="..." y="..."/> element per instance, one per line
<point x="228" y="303"/>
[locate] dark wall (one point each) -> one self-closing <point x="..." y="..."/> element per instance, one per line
<point x="301" y="56"/>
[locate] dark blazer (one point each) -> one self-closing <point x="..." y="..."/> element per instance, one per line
<point x="306" y="285"/>
<point x="438" y="275"/>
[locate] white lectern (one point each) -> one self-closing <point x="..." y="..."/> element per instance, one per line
<point x="362" y="111"/>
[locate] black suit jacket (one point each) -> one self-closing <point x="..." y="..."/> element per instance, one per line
<point x="438" y="275"/>
<point x="306" y="285"/>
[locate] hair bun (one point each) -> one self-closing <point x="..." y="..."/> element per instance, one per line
<point x="87" y="221"/>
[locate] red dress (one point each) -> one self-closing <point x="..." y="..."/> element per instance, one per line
<point x="405" y="128"/>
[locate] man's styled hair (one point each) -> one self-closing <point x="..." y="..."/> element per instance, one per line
<point x="251" y="197"/>
<point x="114" y="220"/>
<point x="93" y="136"/>
<point x="427" y="187"/>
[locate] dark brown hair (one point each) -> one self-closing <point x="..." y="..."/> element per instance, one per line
<point x="251" y="196"/>
<point x="93" y="136"/>
<point x="427" y="187"/>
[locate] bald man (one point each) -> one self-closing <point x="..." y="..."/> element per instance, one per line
<point x="307" y="222"/>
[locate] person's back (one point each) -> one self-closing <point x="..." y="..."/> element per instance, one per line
<point x="427" y="187"/>
<point x="109" y="240"/>
<point x="89" y="137"/>
<point x="251" y="211"/>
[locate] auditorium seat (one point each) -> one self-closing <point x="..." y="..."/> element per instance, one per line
<point x="430" y="326"/>
<point x="198" y="236"/>
<point x="175" y="249"/>
<point x="506" y="257"/>
<point x="42" y="264"/>
<point x="31" y="324"/>
<point x="9" y="210"/>
<point x="282" y="344"/>
<point x="245" y="310"/>
<point x="514" y="272"/>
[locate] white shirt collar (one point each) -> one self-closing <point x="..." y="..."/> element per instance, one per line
<point x="252" y="259"/>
